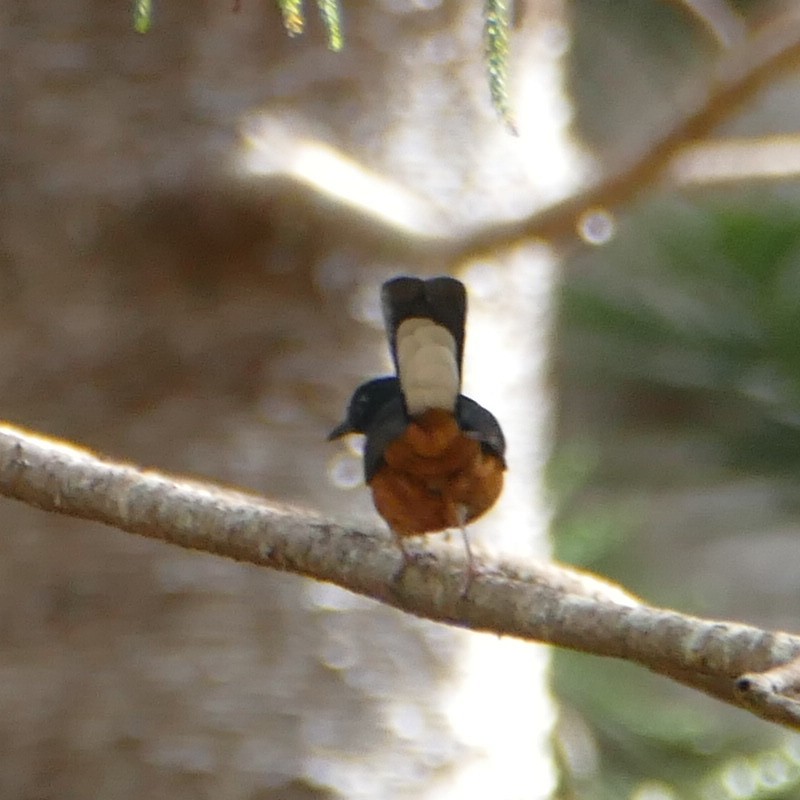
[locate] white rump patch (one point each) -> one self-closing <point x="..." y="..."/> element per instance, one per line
<point x="427" y="365"/>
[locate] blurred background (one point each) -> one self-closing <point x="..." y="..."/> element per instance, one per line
<point x="195" y="223"/>
<point x="676" y="363"/>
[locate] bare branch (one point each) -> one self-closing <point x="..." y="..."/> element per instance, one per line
<point x="418" y="233"/>
<point x="741" y="72"/>
<point x="776" y="689"/>
<point x="540" y="602"/>
<point x="722" y="22"/>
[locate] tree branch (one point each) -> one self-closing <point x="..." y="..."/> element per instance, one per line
<point x="539" y="602"/>
<point x="418" y="234"/>
<point x="741" y="72"/>
<point x="722" y="22"/>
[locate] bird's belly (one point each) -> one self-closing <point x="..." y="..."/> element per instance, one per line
<point x="425" y="493"/>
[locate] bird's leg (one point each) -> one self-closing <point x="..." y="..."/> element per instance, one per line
<point x="461" y="514"/>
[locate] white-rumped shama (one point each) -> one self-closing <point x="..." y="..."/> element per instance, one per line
<point x="433" y="458"/>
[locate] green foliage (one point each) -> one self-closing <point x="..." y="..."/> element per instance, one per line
<point x="142" y="15"/>
<point x="497" y="16"/>
<point x="647" y="733"/>
<point x="294" y="19"/>
<point x="497" y="24"/>
<point x="703" y="300"/>
<point x="687" y="324"/>
<point x="331" y="17"/>
<point x="581" y="537"/>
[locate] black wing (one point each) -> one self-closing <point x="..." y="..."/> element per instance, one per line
<point x="391" y="421"/>
<point x="389" y="424"/>
<point x="444" y="300"/>
<point x="482" y="425"/>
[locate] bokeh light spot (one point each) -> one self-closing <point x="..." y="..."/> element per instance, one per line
<point x="597" y="226"/>
<point x="344" y="471"/>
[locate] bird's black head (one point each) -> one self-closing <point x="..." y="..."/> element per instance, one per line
<point x="365" y="404"/>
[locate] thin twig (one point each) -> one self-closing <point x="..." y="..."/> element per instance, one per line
<point x="540" y="602"/>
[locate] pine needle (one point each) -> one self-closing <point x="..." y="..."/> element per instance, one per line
<point x="142" y="15"/>
<point x="331" y="16"/>
<point x="293" y="19"/>
<point x="497" y="25"/>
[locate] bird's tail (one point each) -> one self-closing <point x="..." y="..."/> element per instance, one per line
<point x="425" y="325"/>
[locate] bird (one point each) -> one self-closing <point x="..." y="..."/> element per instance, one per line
<point x="434" y="459"/>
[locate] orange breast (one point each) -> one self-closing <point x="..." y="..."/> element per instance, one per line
<point x="432" y="473"/>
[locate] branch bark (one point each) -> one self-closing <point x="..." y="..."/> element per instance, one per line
<point x="538" y="602"/>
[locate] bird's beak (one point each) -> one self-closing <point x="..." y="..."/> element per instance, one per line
<point x="340" y="430"/>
